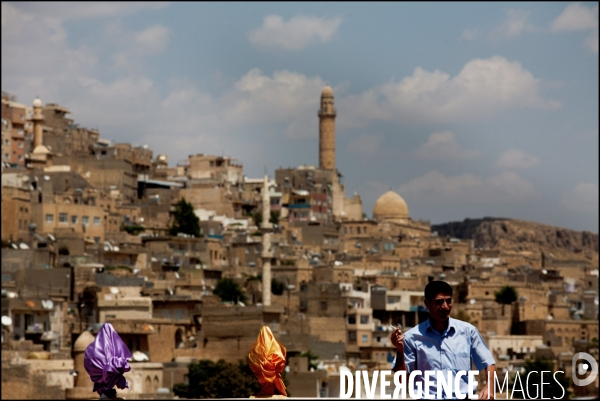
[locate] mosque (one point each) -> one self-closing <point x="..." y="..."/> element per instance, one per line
<point x="390" y="213"/>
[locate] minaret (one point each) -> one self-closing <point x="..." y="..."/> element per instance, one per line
<point x="327" y="130"/>
<point x="266" y="255"/>
<point x="37" y="118"/>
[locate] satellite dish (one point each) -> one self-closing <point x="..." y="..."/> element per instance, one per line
<point x="23" y="245"/>
<point x="472" y="301"/>
<point x="49" y="304"/>
<point x="139" y="356"/>
<point x="14" y="245"/>
<point x="46" y="178"/>
<point x="114" y="290"/>
<point x="544" y="271"/>
<point x="51" y="237"/>
<point x="6" y="321"/>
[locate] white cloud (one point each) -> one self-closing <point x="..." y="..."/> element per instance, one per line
<point x="295" y="34"/>
<point x="576" y="17"/>
<point x="469" y="188"/>
<point x="153" y="39"/>
<point x="515" y="23"/>
<point x="591" y="42"/>
<point x="482" y="89"/>
<point x="443" y="146"/>
<point x="582" y="198"/>
<point x="365" y="146"/>
<point x="469" y="34"/>
<point x="515" y="158"/>
<point x="62" y="11"/>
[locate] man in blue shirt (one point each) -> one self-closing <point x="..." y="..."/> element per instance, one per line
<point x="443" y="344"/>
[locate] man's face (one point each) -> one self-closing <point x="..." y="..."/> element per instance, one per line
<point x="440" y="306"/>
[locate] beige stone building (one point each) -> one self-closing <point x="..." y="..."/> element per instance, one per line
<point x="16" y="213"/>
<point x="215" y="168"/>
<point x="19" y="127"/>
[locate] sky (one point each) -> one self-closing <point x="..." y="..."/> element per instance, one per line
<point x="465" y="109"/>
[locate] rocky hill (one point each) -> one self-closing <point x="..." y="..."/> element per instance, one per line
<point x="519" y="235"/>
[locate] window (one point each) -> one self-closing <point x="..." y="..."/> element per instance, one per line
<point x="96" y="221"/>
<point x="358" y="230"/>
<point x="178" y="314"/>
<point x="28" y="320"/>
<point x="323" y="305"/>
<point x="85" y="220"/>
<point x="63" y="218"/>
<point x="20" y="145"/>
<point x="351" y="319"/>
<point x="352" y="336"/>
<point x="364" y="319"/>
<point x="303" y="306"/>
<point x="73" y="219"/>
<point x="97" y="240"/>
<point x="365" y="338"/>
<point x="49" y="218"/>
<point x="166" y="314"/>
<point x="393" y="300"/>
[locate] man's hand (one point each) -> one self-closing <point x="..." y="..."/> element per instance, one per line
<point x="487" y="393"/>
<point x="398" y="340"/>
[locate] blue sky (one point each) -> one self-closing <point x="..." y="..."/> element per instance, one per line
<point x="465" y="109"/>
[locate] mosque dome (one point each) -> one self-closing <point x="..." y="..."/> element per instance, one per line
<point x="85" y="339"/>
<point x="327" y="91"/>
<point x="37" y="102"/>
<point x="41" y="149"/>
<point x="390" y="206"/>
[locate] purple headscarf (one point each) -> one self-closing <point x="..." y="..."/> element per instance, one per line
<point x="105" y="360"/>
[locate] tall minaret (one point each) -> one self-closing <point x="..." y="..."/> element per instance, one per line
<point x="266" y="243"/>
<point x="37" y="118"/>
<point x="327" y="130"/>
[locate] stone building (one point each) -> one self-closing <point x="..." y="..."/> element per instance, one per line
<point x="63" y="199"/>
<point x="18" y="129"/>
<point x="16" y="213"/>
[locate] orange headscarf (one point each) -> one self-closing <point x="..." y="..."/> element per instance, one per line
<point x="267" y="360"/>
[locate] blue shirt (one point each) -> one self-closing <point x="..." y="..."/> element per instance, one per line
<point x="453" y="350"/>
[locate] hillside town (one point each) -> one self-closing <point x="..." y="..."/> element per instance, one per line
<point x="96" y="231"/>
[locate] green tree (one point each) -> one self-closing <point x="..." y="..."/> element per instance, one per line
<point x="274" y="219"/>
<point x="185" y="220"/>
<point x="229" y="291"/>
<point x="208" y="379"/>
<point x="507" y="295"/>
<point x="312" y="359"/>
<point x="257" y="218"/>
<point x="277" y="287"/>
<point x="552" y="390"/>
